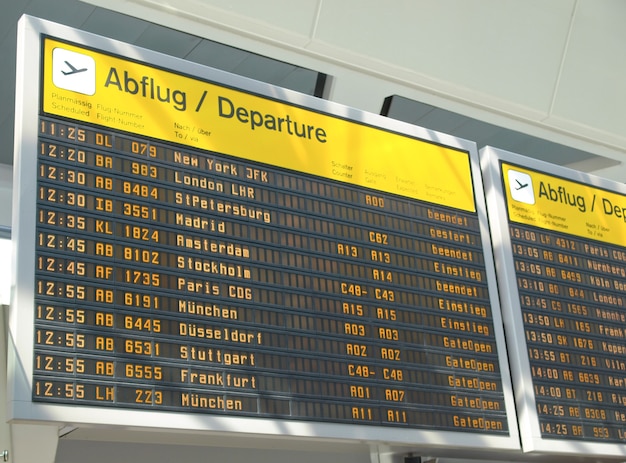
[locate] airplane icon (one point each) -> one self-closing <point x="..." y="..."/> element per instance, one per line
<point x="72" y="70"/>
<point x="520" y="185"/>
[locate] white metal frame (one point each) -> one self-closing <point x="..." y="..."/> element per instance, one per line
<point x="22" y="409"/>
<point x="530" y="431"/>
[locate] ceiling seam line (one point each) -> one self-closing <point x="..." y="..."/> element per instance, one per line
<point x="316" y="22"/>
<point x="562" y="63"/>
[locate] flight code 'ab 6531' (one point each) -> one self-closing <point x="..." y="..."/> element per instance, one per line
<point x="177" y="279"/>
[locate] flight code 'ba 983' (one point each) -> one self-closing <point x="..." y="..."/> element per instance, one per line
<point x="177" y="279"/>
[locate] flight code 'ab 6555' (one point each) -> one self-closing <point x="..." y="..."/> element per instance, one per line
<point x="176" y="279"/>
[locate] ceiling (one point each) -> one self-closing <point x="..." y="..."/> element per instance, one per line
<point x="485" y="134"/>
<point x="145" y="34"/>
<point x="141" y="33"/>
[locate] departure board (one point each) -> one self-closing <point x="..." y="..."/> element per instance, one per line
<point x="205" y="250"/>
<point x="564" y="262"/>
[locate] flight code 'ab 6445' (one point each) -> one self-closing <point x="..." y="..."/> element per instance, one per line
<point x="175" y="279"/>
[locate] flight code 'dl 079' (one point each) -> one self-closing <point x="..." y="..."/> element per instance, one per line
<point x="168" y="278"/>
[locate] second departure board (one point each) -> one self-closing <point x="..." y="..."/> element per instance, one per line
<point x="213" y="252"/>
<point x="563" y="261"/>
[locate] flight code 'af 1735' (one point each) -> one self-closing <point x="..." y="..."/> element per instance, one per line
<point x="158" y="272"/>
<point x="220" y="253"/>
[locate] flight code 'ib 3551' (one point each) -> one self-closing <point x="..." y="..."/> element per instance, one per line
<point x="159" y="267"/>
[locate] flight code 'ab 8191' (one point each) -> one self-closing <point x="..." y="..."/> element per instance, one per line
<point x="176" y="279"/>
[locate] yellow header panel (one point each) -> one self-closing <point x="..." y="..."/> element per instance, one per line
<point x="117" y="93"/>
<point x="561" y="205"/>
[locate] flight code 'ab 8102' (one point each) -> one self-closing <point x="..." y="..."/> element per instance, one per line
<point x="169" y="278"/>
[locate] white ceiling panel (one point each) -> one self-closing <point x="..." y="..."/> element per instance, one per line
<point x="113" y="24"/>
<point x="293" y="16"/>
<point x="484" y="133"/>
<point x="592" y="90"/>
<point x="509" y="50"/>
<point x="166" y="40"/>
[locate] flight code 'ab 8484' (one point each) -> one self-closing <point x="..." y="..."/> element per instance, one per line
<point x="175" y="279"/>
